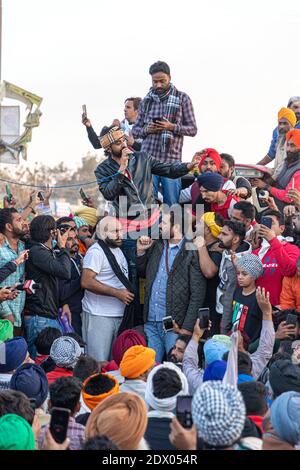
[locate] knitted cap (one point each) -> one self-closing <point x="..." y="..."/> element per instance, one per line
<point x="251" y="264"/>
<point x="65" y="352"/>
<point x="219" y="413"/>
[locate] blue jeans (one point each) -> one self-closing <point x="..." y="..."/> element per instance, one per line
<point x="159" y="340"/>
<point x="33" y="326"/>
<point x="170" y="189"/>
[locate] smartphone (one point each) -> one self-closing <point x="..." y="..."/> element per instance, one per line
<point x="8" y="194"/>
<point x="84" y="113"/>
<point x="83" y="195"/>
<point x="167" y="323"/>
<point x="203" y="315"/>
<point x="184" y="410"/>
<point x="263" y="194"/>
<point x="157" y="119"/>
<point x="40" y="195"/>
<point x="266" y="221"/>
<point x="291" y="319"/>
<point x="59" y="424"/>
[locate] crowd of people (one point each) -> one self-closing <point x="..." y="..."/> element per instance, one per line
<point x="181" y="288"/>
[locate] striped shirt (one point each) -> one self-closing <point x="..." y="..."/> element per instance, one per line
<point x="185" y="124"/>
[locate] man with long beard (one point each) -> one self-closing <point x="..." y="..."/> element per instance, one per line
<point x="288" y="179"/>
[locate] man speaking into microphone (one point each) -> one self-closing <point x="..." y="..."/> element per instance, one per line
<point x="125" y="178"/>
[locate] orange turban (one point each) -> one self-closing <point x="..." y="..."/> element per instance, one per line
<point x="294" y="136"/>
<point x="122" y="418"/>
<point x="288" y="114"/>
<point x="136" y="361"/>
<point x="97" y="381"/>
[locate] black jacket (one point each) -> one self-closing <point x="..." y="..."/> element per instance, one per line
<point x="139" y="190"/>
<point x="94" y="139"/>
<point x="7" y="270"/>
<point x="186" y="286"/>
<point x="70" y="291"/>
<point x="46" y="267"/>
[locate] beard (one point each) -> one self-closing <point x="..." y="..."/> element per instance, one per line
<point x="20" y="233"/>
<point x="292" y="157"/>
<point x="222" y="246"/>
<point x="113" y="243"/>
<point x="117" y="154"/>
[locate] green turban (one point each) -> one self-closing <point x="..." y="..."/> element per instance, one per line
<point x="6" y="330"/>
<point x="15" y="433"/>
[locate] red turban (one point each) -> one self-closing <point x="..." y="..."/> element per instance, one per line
<point x="294" y="136"/>
<point x="126" y="340"/>
<point x="214" y="155"/>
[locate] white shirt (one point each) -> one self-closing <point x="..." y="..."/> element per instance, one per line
<point x="104" y="305"/>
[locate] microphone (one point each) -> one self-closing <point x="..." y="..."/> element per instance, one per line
<point x="29" y="287"/>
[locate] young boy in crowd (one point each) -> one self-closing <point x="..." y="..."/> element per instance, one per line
<point x="247" y="316"/>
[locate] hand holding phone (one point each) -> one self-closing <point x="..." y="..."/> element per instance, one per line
<point x="9" y="195"/>
<point x="40" y="195"/>
<point x="157" y="119"/>
<point x="59" y="424"/>
<point x="267" y="222"/>
<point x="203" y="315"/>
<point x="83" y="195"/>
<point x="184" y="410"/>
<point x="167" y="323"/>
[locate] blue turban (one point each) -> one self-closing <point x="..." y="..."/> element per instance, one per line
<point x="214" y="350"/>
<point x="285" y="417"/>
<point x="32" y="381"/>
<point x="215" y="371"/>
<point x="13" y="353"/>
<point x="211" y="181"/>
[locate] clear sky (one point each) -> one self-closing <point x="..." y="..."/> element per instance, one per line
<point x="235" y="59"/>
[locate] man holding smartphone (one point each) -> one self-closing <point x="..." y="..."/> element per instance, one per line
<point x="279" y="257"/>
<point x="166" y="115"/>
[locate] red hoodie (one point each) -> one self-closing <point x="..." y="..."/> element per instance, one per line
<point x="279" y="261"/>
<point x="257" y="420"/>
<point x="58" y="372"/>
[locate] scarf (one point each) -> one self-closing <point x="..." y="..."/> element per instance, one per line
<point x="171" y="107"/>
<point x="164" y="404"/>
<point x="129" y="320"/>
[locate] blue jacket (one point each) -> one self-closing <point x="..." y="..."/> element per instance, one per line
<point x="272" y="149"/>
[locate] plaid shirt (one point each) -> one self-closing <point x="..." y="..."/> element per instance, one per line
<point x="185" y="124"/>
<point x="12" y="307"/>
<point x="75" y="432"/>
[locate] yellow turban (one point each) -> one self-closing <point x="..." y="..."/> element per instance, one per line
<point x="89" y="214"/>
<point x="288" y="114"/>
<point x="136" y="361"/>
<point x="209" y="219"/>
